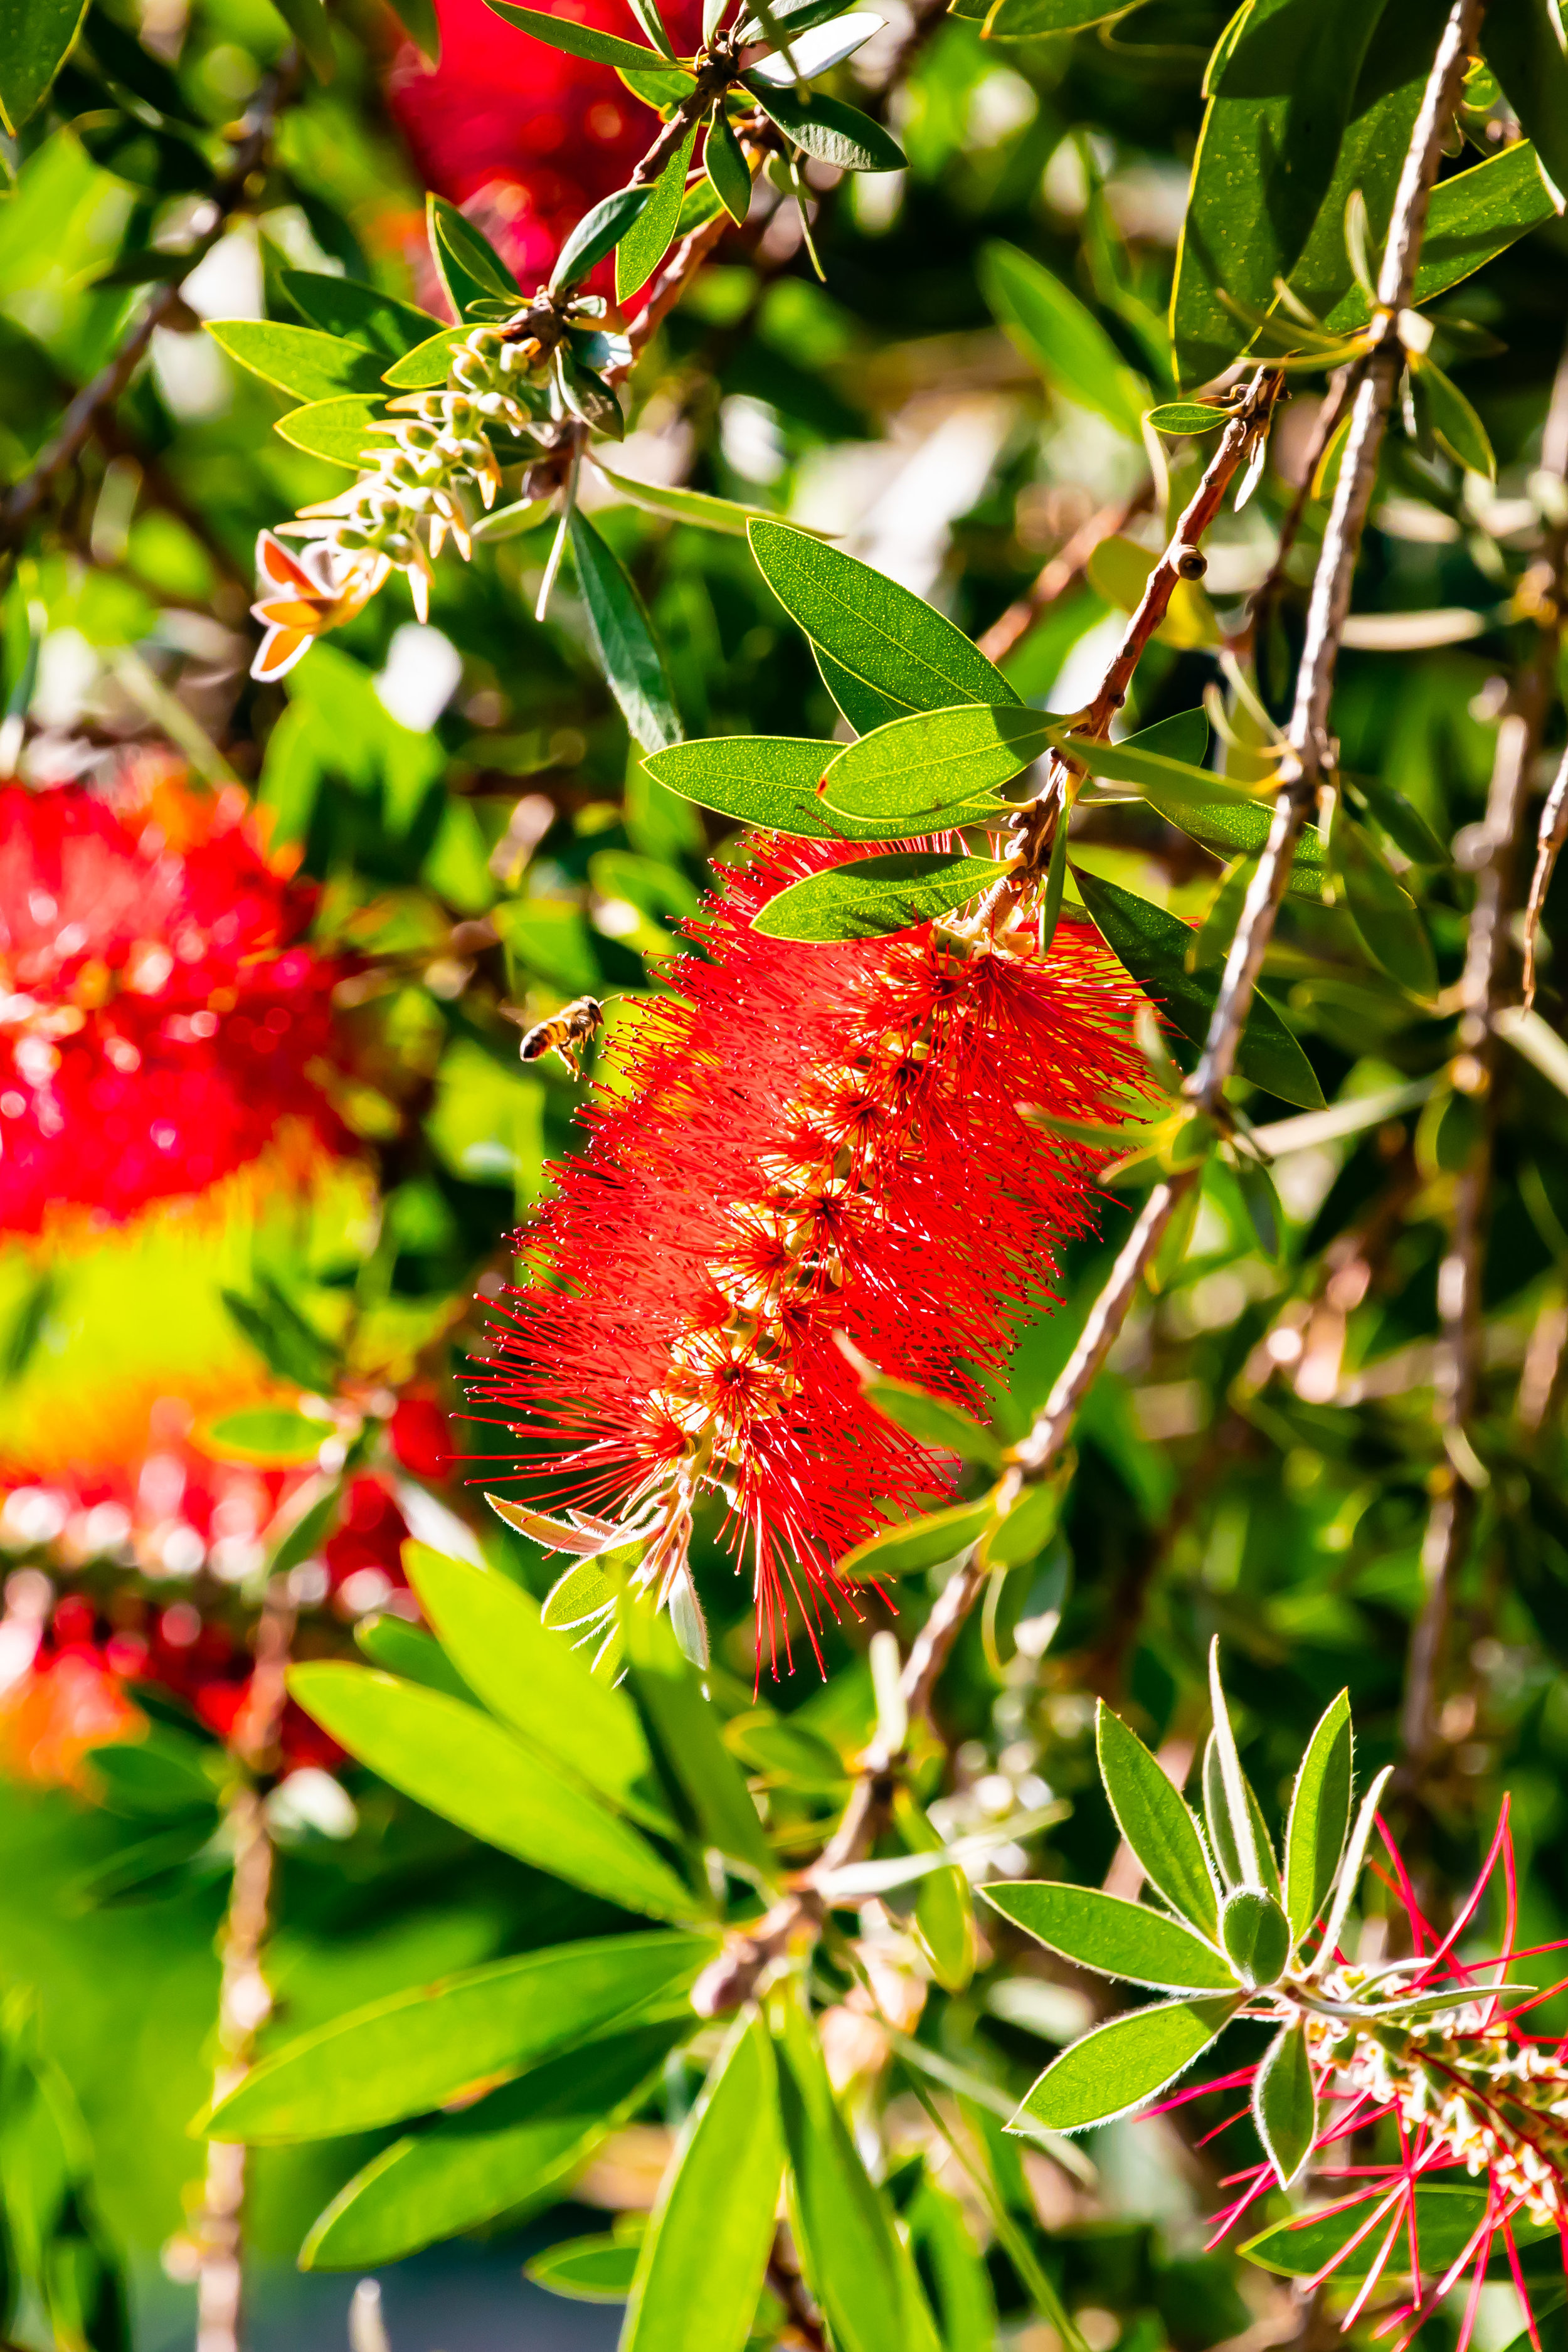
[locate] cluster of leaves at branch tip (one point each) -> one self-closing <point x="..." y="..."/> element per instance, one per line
<point x="1235" y="1931"/>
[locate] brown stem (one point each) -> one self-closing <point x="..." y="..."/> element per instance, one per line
<point x="79" y="422"/>
<point x="802" y="2320"/>
<point x="1325" y="425"/>
<point x="1065" y="569"/>
<point x="245" y="2000"/>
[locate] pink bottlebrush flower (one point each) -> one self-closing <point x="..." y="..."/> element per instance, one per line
<point x="807" y="1141"/>
<point x="1468" y="2096"/>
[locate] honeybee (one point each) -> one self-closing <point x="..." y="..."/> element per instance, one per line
<point x="564" y="1033"/>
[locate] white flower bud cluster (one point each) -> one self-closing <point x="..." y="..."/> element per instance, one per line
<point x="1499" y="2106"/>
<point x="438" y="472"/>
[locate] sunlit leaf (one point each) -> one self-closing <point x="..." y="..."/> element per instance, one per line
<point x="1115" y="1937"/>
<point x="1118" y="2067"/>
<point x="868" y="898"/>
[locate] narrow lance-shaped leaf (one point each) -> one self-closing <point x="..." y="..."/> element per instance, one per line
<point x="415" y="2051"/>
<point x="1062" y="337"/>
<point x="772" y="782"/>
<point x="1284" y="2102"/>
<point x="535" y="1681"/>
<point x="702" y="2262"/>
<point x="1353" y="1860"/>
<point x="35" y="38"/>
<point x="1256" y="1935"/>
<point x="647" y="239"/>
<point x="503" y="2153"/>
<point x="1320" y="1815"/>
<point x="1385" y="916"/>
<point x="825" y="127"/>
<point x="868" y="897"/>
<point x="1472" y="218"/>
<point x="600" y="229"/>
<point x="1152" y="946"/>
<point x="1119" y="2067"/>
<point x="681" y="1716"/>
<point x="1115" y="1937"/>
<point x="464" y="1766"/>
<point x="1524" y="47"/>
<point x="935" y="762"/>
<point x="871" y="627"/>
<point x="923" y="1542"/>
<point x="577" y="40"/>
<point x="726" y="166"/>
<point x="629" y="650"/>
<point x="1154" y="1820"/>
<point x="1238" y="1811"/>
<point x="299" y="360"/>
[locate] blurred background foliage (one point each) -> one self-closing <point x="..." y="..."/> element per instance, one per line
<point x="462" y="799"/>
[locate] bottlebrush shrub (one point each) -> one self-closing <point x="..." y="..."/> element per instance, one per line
<point x="1420" y="2058"/>
<point x="525" y="136"/>
<point x="811" y="1143"/>
<point x="162" y="1017"/>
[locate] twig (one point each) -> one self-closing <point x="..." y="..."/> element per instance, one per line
<point x="1325" y="425"/>
<point x="1460" y="1357"/>
<point x="786" y="2283"/>
<point x="1064" y="570"/>
<point x="245" y="2000"/>
<point x="80" y="421"/>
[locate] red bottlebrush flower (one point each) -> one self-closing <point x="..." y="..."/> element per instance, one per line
<point x="816" y="1141"/>
<point x="525" y="136"/>
<point x="161" y="1018"/>
<point x="1471" y="2101"/>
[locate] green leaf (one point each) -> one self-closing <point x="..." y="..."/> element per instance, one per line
<point x="342" y="307"/>
<point x="468" y="266"/>
<point x="1522" y="41"/>
<point x="1387" y="918"/>
<point x="925" y="1542"/>
<point x="854" y="2264"/>
<point x="1459" y="429"/>
<point x="1185" y="736"/>
<point x="825" y="127"/>
<point x="307" y="20"/>
<point x="1179" y="417"/>
<point x="772" y="781"/>
<point x="491" y="2158"/>
<point x="872" y="628"/>
<point x="1447" y="2219"/>
<point x="269" y="1435"/>
<point x="622" y="635"/>
<point x="1320" y="1816"/>
<point x="535" y="1681"/>
<point x="864" y="705"/>
<point x="1063" y="338"/>
<point x="1400" y="819"/>
<point x="1256" y="1935"/>
<point x="1281" y="88"/>
<point x="682" y="505"/>
<point x="934" y="763"/>
<point x="1284" y="2102"/>
<point x="35" y="38"/>
<point x="1023" y="1532"/>
<point x="512" y="522"/>
<point x="1154" y="1820"/>
<point x="589" y="2270"/>
<point x="944" y="1908"/>
<point x="951" y="2260"/>
<point x="709" y="2236"/>
<point x="681" y="1720"/>
<point x="599" y="231"/>
<point x="1116" y="1938"/>
<point x="338" y="429"/>
<point x="868" y="898"/>
<point x="417" y="18"/>
<point x="1472" y="218"/>
<point x="399" y="1648"/>
<point x="415" y="2051"/>
<point x="1151" y="945"/>
<point x="660" y="85"/>
<point x="1377" y="132"/>
<point x="726" y="167"/>
<point x="934" y="1419"/>
<point x="1027" y="20"/>
<point x="464" y="1766"/>
<point x="429" y="362"/>
<point x="301" y="359"/>
<point x="1203" y="805"/>
<point x="1353" y="1860"/>
<point x="647" y="240"/>
<point x="1119" y="2067"/>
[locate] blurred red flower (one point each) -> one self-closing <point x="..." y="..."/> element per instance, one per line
<point x="523" y="136"/>
<point x="160" y="1017"/>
